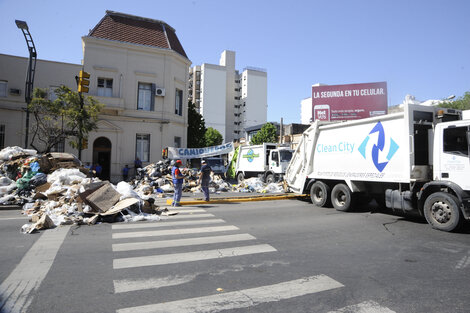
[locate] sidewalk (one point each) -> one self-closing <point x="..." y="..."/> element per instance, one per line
<point x="226" y="197"/>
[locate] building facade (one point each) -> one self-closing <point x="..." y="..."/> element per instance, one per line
<point x="139" y="70"/>
<point x="228" y="100"/>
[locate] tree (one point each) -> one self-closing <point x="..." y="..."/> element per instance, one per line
<point x="213" y="137"/>
<point x="461" y="103"/>
<point x="196" y="128"/>
<point x="266" y="134"/>
<point x="61" y="119"/>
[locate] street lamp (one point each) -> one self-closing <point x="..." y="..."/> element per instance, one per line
<point x="30" y="73"/>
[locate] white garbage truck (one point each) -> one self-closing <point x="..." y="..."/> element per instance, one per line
<point x="268" y="161"/>
<point x="412" y="161"/>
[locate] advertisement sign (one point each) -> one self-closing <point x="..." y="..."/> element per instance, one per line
<point x="197" y="153"/>
<point x="349" y="102"/>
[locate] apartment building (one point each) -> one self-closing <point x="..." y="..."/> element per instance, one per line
<point x="228" y="100"/>
<point x="138" y="69"/>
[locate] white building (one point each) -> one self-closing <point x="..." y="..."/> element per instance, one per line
<point x="306" y="112"/>
<point x="227" y="100"/>
<point x="138" y="69"/>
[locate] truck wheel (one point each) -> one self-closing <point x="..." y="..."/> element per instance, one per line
<point x="442" y="211"/>
<point x="319" y="193"/>
<point x="269" y="178"/>
<point x="341" y="198"/>
<point x="240" y="177"/>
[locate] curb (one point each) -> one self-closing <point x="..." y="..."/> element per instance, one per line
<point x="10" y="207"/>
<point x="240" y="199"/>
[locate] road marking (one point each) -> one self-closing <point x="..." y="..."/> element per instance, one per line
<point x="184" y="216"/>
<point x="189" y="211"/>
<point x="13" y="218"/>
<point x="169" y="232"/>
<point x="464" y="262"/>
<point x="173" y="258"/>
<point x="364" y="307"/>
<point x="153" y="283"/>
<point x="127" y="285"/>
<point x="243" y="298"/>
<point x="18" y="288"/>
<point x="179" y="242"/>
<point x="167" y="224"/>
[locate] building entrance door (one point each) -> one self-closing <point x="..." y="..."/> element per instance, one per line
<point x="102" y="156"/>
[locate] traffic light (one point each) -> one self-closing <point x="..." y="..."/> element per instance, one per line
<point x="83" y="81"/>
<point x="84" y="143"/>
<point x="165" y="153"/>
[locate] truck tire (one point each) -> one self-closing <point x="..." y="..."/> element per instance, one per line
<point x="240" y="177"/>
<point x="269" y="178"/>
<point x="319" y="193"/>
<point x="341" y="198"/>
<point x="442" y="211"/>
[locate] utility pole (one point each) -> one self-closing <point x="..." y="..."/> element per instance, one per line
<point x="30" y="73"/>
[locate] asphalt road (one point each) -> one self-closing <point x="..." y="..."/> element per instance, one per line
<point x="271" y="256"/>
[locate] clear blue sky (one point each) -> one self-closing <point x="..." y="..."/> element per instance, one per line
<point x="419" y="47"/>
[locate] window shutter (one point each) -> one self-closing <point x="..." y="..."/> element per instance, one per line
<point x="152" y="98"/>
<point x="181" y="102"/>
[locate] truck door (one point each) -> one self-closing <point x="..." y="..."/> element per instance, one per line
<point x="274" y="163"/>
<point x="454" y="161"/>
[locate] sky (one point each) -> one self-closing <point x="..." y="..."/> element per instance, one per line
<point x="419" y="47"/>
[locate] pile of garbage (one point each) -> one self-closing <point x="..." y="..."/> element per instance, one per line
<point x="156" y="177"/>
<point x="55" y="189"/>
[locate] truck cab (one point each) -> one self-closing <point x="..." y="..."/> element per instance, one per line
<point x="278" y="161"/>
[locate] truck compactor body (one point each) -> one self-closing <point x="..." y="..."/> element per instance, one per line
<point x="413" y="161"/>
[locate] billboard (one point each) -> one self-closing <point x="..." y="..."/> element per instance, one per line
<point x="349" y="102"/>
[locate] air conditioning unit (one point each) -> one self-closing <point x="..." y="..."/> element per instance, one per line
<point x="160" y="92"/>
<point x="15" y="92"/>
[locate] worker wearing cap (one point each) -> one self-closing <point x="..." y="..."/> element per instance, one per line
<point x="205" y="178"/>
<point x="177" y="182"/>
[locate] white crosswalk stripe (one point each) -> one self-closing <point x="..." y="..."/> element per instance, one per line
<point x="364" y="307"/>
<point x="214" y="302"/>
<point x="169" y="232"/>
<point x="186" y="216"/>
<point x="180" y="242"/>
<point x="167" y="224"/>
<point x="190" y="256"/>
<point x="243" y="298"/>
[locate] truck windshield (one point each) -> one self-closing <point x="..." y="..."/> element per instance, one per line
<point x="215" y="162"/>
<point x="286" y="155"/>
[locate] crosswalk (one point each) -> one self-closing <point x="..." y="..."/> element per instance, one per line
<point x="203" y="232"/>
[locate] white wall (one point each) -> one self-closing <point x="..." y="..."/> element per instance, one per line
<point x="213" y="96"/>
<point x="254" y="96"/>
<point x="306" y="110"/>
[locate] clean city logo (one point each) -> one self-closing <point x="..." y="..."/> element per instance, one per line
<point x="250" y="155"/>
<point x="378" y="147"/>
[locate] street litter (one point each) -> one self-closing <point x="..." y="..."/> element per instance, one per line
<point x="55" y="189"/>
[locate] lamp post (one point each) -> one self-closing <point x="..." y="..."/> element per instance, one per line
<point x="30" y="73"/>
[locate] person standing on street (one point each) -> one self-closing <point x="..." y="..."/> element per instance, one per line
<point x="125" y="173"/>
<point x="205" y="178"/>
<point x="177" y="182"/>
<point x="137" y="166"/>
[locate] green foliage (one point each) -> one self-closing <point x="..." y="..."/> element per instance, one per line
<point x="461" y="103"/>
<point x="196" y="128"/>
<point x="213" y="137"/>
<point x="63" y="118"/>
<point x="267" y="133"/>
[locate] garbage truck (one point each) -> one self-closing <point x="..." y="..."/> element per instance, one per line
<point x="268" y="161"/>
<point x="415" y="161"/>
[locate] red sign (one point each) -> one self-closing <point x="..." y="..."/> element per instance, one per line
<point x="349" y="102"/>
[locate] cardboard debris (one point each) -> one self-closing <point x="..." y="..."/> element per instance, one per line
<point x="104" y="198"/>
<point x="121" y="205"/>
